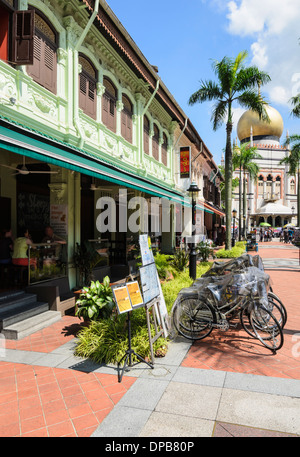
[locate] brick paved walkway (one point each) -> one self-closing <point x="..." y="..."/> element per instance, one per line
<point x="43" y="401"/>
<point x="235" y="351"/>
<point x="40" y="400"/>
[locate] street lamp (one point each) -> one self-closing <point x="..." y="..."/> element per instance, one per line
<point x="234" y="212"/>
<point x="193" y="191"/>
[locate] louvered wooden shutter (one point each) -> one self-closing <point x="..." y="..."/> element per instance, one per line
<point x="155" y="144"/>
<point x="126" y="120"/>
<point x="164" y="151"/>
<point x="87" y="95"/>
<point x="109" y="105"/>
<point x="146" y="135"/>
<point x="49" y="67"/>
<point x="43" y="69"/>
<point x="22" y="37"/>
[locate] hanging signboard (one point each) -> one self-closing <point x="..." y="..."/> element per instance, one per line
<point x="185" y="162"/>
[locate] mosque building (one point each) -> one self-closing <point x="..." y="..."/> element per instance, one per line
<point x="272" y="196"/>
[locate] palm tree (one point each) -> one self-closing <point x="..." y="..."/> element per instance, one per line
<point x="236" y="83"/>
<point x="293" y="160"/>
<point x="296" y="105"/>
<point x="242" y="160"/>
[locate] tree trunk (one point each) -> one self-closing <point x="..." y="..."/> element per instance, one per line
<point x="240" y="204"/>
<point x="244" y="205"/>
<point x="228" y="184"/>
<point x="298" y="199"/>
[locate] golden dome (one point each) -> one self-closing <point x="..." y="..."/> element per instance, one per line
<point x="260" y="128"/>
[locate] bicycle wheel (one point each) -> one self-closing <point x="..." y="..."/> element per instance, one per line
<point x="273" y="298"/>
<point x="266" y="328"/>
<point x="193" y="318"/>
<point x="247" y="325"/>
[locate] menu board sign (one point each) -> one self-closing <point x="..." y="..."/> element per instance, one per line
<point x="149" y="281"/>
<point x="127" y="296"/>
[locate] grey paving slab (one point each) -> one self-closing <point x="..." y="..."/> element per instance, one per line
<point x="123" y="421"/>
<point x="201" y="377"/>
<point x="170" y="425"/>
<point x="51" y="360"/>
<point x="177" y="350"/>
<point x="165" y="372"/>
<point x="264" y="384"/>
<point x="78" y="363"/>
<point x="190" y="400"/>
<point x="261" y="410"/>
<point x="144" y="394"/>
<point x="27" y="357"/>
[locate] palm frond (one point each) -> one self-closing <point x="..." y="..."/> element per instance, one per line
<point x="219" y="114"/>
<point x="250" y="77"/>
<point x="250" y="99"/>
<point x="295" y="101"/>
<point x="208" y="91"/>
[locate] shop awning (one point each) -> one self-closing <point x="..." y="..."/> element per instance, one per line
<point x="22" y="141"/>
<point x="213" y="209"/>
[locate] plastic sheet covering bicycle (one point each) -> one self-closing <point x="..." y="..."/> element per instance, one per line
<point x="239" y="287"/>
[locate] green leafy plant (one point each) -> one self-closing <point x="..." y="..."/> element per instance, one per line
<point x="236" y="251"/>
<point x="85" y="258"/>
<point x="180" y="260"/>
<point x="163" y="266"/>
<point x="96" y="301"/>
<point x="205" y="250"/>
<point x="106" y="341"/>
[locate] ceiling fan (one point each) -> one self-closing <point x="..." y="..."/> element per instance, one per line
<point x="24" y="170"/>
<point x="94" y="187"/>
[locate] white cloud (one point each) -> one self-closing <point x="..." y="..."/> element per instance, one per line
<point x="273" y="25"/>
<point x="248" y="17"/>
<point x="260" y="57"/>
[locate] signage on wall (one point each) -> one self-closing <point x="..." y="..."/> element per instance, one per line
<point x="59" y="219"/>
<point x="185" y="162"/>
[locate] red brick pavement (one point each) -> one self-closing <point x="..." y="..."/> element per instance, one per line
<point x="235" y="351"/>
<point x="41" y="401"/>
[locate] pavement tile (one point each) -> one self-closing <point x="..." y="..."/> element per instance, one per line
<point x="224" y="430"/>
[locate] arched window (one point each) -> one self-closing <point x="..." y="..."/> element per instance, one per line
<point x="126" y="119"/>
<point x="155" y="143"/>
<point x="260" y="185"/>
<point x="44" y="68"/>
<point x="164" y="150"/>
<point x="292" y="187"/>
<point x="269" y="185"/>
<point x="278" y="186"/>
<point x="109" y="105"/>
<point x="87" y="87"/>
<point x="146" y="134"/>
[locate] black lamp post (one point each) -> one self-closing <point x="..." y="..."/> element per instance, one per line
<point x="193" y="192"/>
<point x="234" y="212"/>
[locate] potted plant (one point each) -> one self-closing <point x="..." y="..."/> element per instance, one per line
<point x="85" y="259"/>
<point x="96" y="301"/>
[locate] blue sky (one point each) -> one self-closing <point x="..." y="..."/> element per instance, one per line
<point x="182" y="39"/>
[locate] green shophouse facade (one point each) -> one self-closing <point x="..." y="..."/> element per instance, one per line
<point x="78" y="99"/>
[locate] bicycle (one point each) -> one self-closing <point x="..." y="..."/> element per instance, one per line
<point x="197" y="312"/>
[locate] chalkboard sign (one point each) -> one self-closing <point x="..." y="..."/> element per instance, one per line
<point x="33" y="213"/>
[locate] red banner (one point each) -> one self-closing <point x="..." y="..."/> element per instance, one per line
<point x="185" y="162"/>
